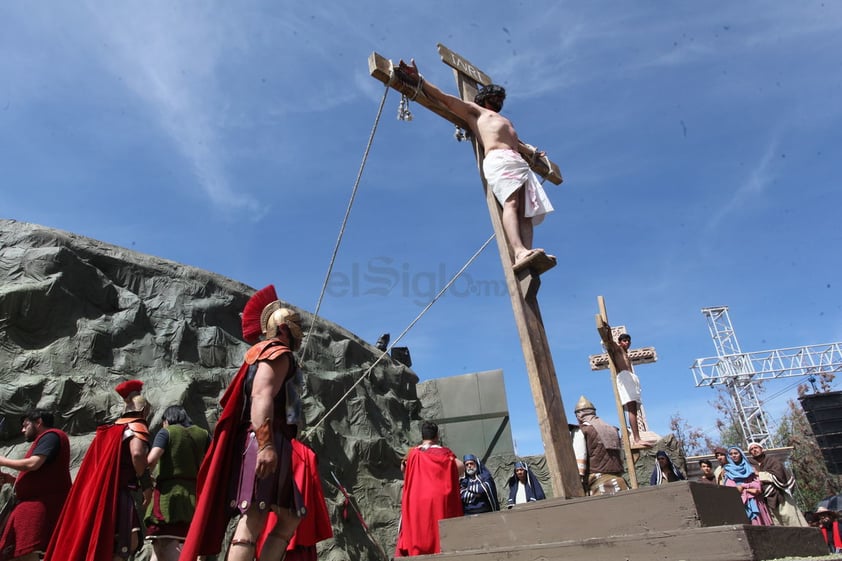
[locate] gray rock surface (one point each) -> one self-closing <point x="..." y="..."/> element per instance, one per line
<point x="78" y="316"/>
<point x="646" y="462"/>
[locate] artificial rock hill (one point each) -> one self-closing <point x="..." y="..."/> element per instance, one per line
<point x="78" y="316"/>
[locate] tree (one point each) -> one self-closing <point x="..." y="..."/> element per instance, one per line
<point x="729" y="428"/>
<point x="691" y="439"/>
<point x="696" y="441"/>
<point x="727" y="424"/>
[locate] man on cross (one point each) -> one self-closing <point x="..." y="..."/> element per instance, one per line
<point x="515" y="186"/>
<point x="628" y="384"/>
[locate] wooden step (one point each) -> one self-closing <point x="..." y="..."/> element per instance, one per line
<point x="677" y="506"/>
<point x="720" y="543"/>
<point x="684" y="521"/>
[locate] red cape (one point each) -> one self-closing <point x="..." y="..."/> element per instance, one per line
<point x="315" y="526"/>
<point x="86" y="527"/>
<point x="207" y="530"/>
<point x="430" y="494"/>
<point x="210" y="520"/>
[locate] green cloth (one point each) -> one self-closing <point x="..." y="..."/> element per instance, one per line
<point x="175" y="484"/>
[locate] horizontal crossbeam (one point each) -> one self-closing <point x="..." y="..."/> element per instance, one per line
<point x="643" y="355"/>
<point x="768" y="365"/>
<point x="382" y="69"/>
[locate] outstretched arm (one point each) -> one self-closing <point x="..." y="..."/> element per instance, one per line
<point x="31" y="463"/>
<point x="607" y="339"/>
<point x="465" y="110"/>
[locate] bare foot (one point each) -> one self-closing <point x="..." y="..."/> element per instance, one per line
<point x="524" y="253"/>
<point x="641" y="443"/>
<point x="523" y="258"/>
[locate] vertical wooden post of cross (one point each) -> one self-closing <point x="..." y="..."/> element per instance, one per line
<point x="523" y="285"/>
<point x="604" y="327"/>
<point x="523" y="289"/>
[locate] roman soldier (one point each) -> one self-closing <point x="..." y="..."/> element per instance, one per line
<point x="598" y="452"/>
<point x="252" y="448"/>
<point x="100" y="520"/>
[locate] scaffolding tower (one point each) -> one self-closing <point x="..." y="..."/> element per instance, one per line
<point x="742" y="373"/>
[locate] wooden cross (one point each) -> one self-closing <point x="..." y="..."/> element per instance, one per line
<point x="523" y="285"/>
<point x="637" y="356"/>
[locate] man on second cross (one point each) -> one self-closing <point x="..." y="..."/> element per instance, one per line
<point x="508" y="175"/>
<point x="628" y="385"/>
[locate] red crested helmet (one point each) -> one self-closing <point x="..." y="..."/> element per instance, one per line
<point x="264" y="315"/>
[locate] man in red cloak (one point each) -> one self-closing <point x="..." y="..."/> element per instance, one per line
<point x="253" y="451"/>
<point x="430" y="494"/>
<point x="100" y="520"/>
<point x="41" y="488"/>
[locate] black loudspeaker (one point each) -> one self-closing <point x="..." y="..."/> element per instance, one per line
<point x="401" y="354"/>
<point x="824" y="413"/>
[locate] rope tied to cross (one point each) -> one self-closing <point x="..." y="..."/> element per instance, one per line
<point x="384" y="353"/>
<point x="332" y="262"/>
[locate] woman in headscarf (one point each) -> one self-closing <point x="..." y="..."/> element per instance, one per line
<point x="524" y="487"/>
<point x="740" y="474"/>
<point x="665" y="471"/>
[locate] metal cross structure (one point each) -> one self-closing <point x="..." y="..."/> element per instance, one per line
<point x="742" y="373"/>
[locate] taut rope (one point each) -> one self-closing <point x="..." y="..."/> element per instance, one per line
<point x="305" y="345"/>
<point x="347" y="215"/>
<point x="404" y="332"/>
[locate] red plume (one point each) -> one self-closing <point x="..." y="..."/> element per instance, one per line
<point x="129" y="387"/>
<point x="251" y="313"/>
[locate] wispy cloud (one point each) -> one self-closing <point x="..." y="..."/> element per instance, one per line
<point x="754" y="186"/>
<point x="167" y="58"/>
<point x="785" y="22"/>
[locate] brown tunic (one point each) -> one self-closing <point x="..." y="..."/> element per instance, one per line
<point x="600" y="458"/>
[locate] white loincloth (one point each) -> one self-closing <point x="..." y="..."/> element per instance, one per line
<point x="628" y="385"/>
<point x="505" y="172"/>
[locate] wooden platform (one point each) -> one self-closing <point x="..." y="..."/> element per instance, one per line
<point x="685" y="521"/>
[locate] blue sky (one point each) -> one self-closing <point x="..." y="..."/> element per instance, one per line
<point x="699" y="145"/>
